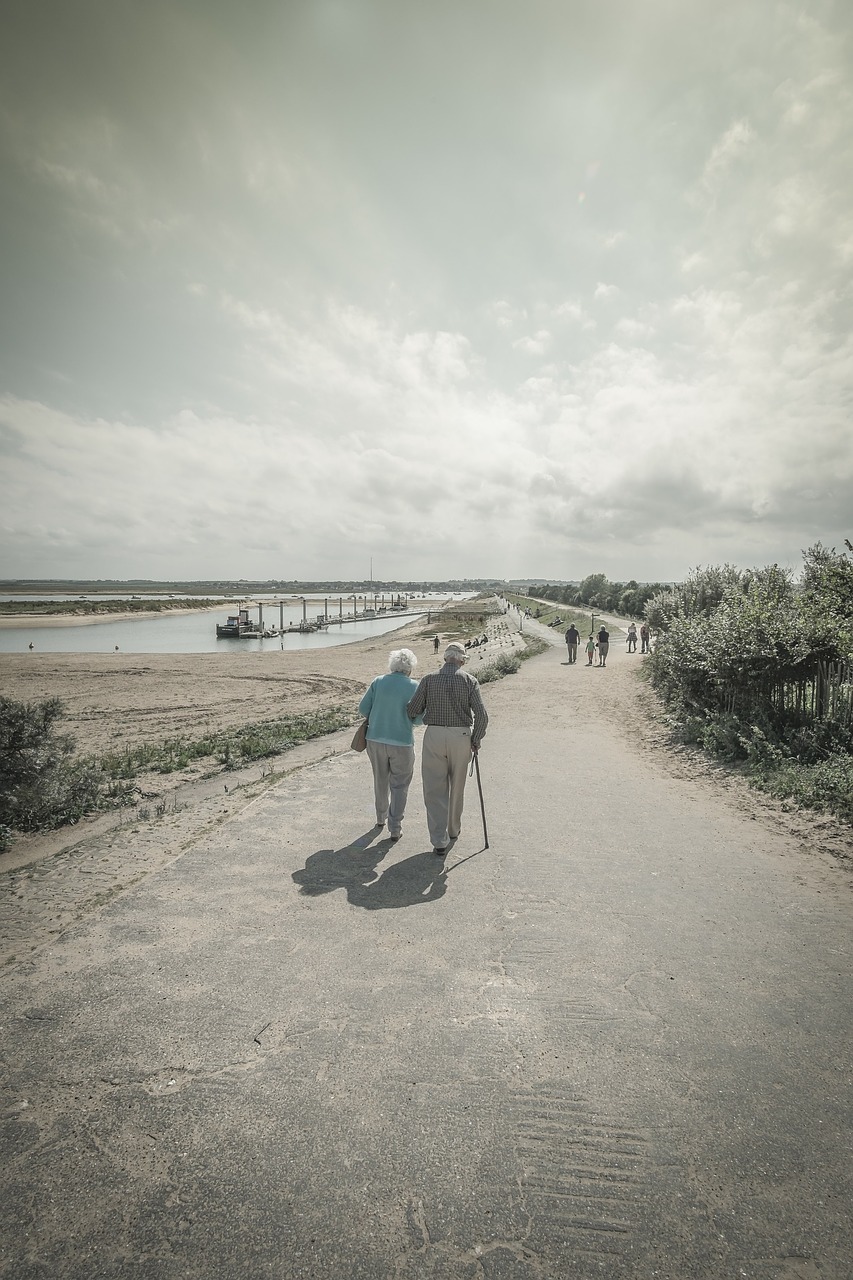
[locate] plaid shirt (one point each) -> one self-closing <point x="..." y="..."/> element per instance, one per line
<point x="450" y="697"/>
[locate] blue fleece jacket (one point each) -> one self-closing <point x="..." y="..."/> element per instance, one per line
<point x="384" y="704"/>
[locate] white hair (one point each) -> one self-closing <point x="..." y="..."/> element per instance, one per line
<point x="455" y="653"/>
<point x="402" y="660"/>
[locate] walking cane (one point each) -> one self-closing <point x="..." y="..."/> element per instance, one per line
<point x="475" y="761"/>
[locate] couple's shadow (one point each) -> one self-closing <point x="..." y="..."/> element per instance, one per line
<point x="355" y="867"/>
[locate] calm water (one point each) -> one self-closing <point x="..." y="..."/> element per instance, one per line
<point x="184" y="633"/>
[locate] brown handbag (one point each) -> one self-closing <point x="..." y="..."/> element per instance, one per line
<point x="359" y="740"/>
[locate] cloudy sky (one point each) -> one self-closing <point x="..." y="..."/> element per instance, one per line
<point x="470" y="287"/>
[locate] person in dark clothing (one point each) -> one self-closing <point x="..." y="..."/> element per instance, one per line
<point x="573" y="637"/>
<point x="603" y="646"/>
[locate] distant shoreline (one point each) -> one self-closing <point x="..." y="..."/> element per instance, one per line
<point x="36" y="621"/>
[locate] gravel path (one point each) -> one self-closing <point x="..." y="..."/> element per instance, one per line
<point x="614" y="1044"/>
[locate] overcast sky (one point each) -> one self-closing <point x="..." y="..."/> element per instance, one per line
<point x="470" y="287"/>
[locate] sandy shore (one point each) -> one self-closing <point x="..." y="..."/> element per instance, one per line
<point x="117" y="699"/>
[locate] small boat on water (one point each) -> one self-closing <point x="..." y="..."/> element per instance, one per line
<point x="237" y="626"/>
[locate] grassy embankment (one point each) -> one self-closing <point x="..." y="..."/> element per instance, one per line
<point x="547" y="613"/>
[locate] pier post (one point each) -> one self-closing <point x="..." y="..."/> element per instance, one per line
<point x="304" y="609"/>
<point x="260" y="617"/>
<point x="281" y="615"/>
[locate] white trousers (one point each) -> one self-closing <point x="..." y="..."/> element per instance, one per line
<point x="393" y="767"/>
<point x="444" y="767"/>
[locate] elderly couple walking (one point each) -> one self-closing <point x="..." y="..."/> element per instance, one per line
<point x="448" y="702"/>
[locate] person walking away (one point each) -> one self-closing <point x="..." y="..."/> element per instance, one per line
<point x="632" y="637"/>
<point x="390" y="741"/>
<point x="451" y="705"/>
<point x="590" y="650"/>
<point x="603" y="646"/>
<point x="573" y="637"/>
<point x="644" y="638"/>
<point x="435" y="644"/>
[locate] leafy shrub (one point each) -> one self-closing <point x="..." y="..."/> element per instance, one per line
<point x="505" y="664"/>
<point x="41" y="785"/>
<point x="827" y="786"/>
<point x="738" y="661"/>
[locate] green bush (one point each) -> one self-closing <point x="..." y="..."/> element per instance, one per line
<point x="505" y="664"/>
<point x="41" y="785"/>
<point x="827" y="786"/>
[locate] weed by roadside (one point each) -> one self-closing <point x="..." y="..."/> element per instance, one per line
<point x="506" y="664"/>
<point x="810" y="765"/>
<point x="231" y="748"/>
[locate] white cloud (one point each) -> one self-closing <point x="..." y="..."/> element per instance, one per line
<point x="736" y="140"/>
<point x="636" y="330"/>
<point x="266" y="274"/>
<point x="534" y="344"/>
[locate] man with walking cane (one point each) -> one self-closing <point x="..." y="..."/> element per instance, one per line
<point x="450" y="702"/>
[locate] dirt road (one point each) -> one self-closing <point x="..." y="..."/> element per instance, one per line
<point x="616" y="1044"/>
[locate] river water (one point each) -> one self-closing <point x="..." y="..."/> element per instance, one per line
<point x="190" y="632"/>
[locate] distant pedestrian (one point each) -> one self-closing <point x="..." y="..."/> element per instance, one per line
<point x="644" y="638"/>
<point x="590" y="650"/>
<point x="573" y="638"/>
<point x="435" y="643"/>
<point x="450" y="703"/>
<point x="632" y="637"/>
<point x="603" y="646"/>
<point x="390" y="741"/>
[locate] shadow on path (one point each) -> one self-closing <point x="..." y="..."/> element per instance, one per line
<point x="410" y="883"/>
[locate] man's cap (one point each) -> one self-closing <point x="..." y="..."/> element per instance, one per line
<point x="455" y="652"/>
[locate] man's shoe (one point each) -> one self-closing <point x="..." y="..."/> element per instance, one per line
<point x="440" y="852"/>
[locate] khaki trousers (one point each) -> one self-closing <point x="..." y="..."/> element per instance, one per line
<point x="393" y="767"/>
<point x="444" y="765"/>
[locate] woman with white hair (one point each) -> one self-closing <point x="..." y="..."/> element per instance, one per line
<point x="390" y="741"/>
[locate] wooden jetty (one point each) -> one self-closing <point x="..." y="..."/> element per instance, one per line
<point x="241" y="626"/>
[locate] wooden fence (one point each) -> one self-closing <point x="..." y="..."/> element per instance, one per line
<point x="824" y="694"/>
